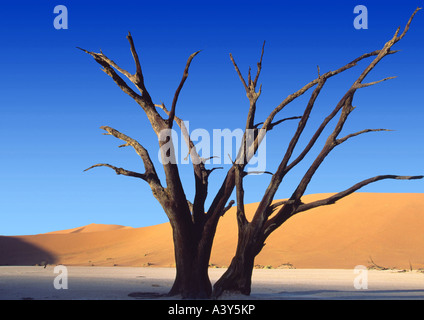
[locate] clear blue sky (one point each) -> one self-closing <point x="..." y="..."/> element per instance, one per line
<point x="54" y="98"/>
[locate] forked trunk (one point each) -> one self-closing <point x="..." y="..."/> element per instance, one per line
<point x="238" y="277"/>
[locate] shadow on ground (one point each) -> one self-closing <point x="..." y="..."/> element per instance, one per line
<point x="15" y="251"/>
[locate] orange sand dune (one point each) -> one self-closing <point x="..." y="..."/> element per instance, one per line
<point x="94" y="227"/>
<point x="389" y="228"/>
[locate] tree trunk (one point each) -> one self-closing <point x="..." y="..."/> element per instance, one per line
<point x="238" y="277"/>
<point x="192" y="262"/>
<point x="192" y="280"/>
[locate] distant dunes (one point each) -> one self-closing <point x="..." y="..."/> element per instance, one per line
<point x="387" y="228"/>
<point x="94" y="227"/>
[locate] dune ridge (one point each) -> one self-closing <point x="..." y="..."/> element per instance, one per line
<point x="387" y="228"/>
<point x="93" y="227"/>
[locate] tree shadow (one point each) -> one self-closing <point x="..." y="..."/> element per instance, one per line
<point x="147" y="295"/>
<point x="15" y="251"/>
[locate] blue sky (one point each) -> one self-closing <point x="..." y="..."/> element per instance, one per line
<point x="54" y="98"/>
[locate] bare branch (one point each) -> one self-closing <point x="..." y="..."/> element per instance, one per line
<point x="138" y="78"/>
<point x="144" y="100"/>
<point x="278" y="204"/>
<point x="177" y="92"/>
<point x="209" y="171"/>
<point x="253" y="97"/>
<point x="302" y="124"/>
<point x="228" y="184"/>
<point x="150" y="174"/>
<point x="345" y="105"/>
<point x="228" y="207"/>
<point x="408" y="24"/>
<point x="259" y="67"/>
<point x="333" y="199"/>
<point x="120" y="171"/>
<point x="239" y="73"/>
<point x="204" y="160"/>
<point x="272" y="125"/>
<point x="262" y="211"/>
<point x="341" y="140"/>
<point x="256" y="173"/>
<point x="311" y="84"/>
<point x="141" y="151"/>
<point x="124" y="145"/>
<point x="375" y="266"/>
<point x="386" y="49"/>
<point x="139" y="73"/>
<point x="363" y="85"/>
<point x="108" y="66"/>
<point x="201" y="175"/>
<point x="190" y="145"/>
<point x="105" y="59"/>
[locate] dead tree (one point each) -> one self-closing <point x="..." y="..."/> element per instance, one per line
<point x="269" y="216"/>
<point x="188" y="222"/>
<point x="192" y="225"/>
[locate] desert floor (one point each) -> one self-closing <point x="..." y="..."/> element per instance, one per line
<point x="116" y="283"/>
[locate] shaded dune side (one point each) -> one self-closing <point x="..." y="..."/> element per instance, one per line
<point x="385" y="227"/>
<point x="123" y="247"/>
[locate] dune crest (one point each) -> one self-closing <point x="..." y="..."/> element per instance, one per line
<point x="93" y="227"/>
<point x="386" y="228"/>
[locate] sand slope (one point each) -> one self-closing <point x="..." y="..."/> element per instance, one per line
<point x="389" y="228"/>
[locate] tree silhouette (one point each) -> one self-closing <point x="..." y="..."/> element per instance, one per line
<point x="193" y="226"/>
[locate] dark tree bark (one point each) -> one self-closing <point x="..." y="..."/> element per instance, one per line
<point x="268" y="216"/>
<point x="187" y="221"/>
<point x="193" y="226"/>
